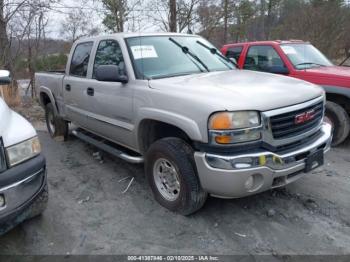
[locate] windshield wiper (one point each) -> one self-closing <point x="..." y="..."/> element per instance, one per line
<point x="308" y="63"/>
<point x="187" y="51"/>
<point x="344" y="61"/>
<point x="214" y="51"/>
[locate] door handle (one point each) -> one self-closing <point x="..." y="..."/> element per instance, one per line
<point x="68" y="88"/>
<point x="90" y="91"/>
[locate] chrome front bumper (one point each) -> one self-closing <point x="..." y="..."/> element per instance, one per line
<point x="241" y="175"/>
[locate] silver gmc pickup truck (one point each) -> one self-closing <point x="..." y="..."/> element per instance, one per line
<point x="175" y="103"/>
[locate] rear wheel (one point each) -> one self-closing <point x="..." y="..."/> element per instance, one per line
<point x="56" y="126"/>
<point x="171" y="172"/>
<point x="339" y="118"/>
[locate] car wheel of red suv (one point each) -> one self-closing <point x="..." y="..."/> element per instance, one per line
<point x="339" y="118"/>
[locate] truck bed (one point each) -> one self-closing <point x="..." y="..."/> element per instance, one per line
<point x="51" y="80"/>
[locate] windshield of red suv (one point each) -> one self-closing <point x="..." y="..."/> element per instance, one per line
<point x="304" y="56"/>
<point x="157" y="57"/>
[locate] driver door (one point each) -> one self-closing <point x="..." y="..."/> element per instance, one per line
<point x="110" y="104"/>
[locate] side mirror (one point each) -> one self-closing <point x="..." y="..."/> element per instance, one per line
<point x="110" y="73"/>
<point x="278" y="70"/>
<point x="5" y="78"/>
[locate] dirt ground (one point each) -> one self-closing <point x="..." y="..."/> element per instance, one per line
<point x="88" y="212"/>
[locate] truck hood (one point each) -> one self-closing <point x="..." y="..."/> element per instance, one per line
<point x="241" y="90"/>
<point x="330" y="75"/>
<point x="13" y="127"/>
<point x="331" y="71"/>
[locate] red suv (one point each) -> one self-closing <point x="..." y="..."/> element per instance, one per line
<point x="301" y="60"/>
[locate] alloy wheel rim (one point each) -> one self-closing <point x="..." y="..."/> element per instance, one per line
<point x="166" y="179"/>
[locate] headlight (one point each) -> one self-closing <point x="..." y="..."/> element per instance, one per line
<point x="234" y="127"/>
<point x="234" y="120"/>
<point x="23" y="151"/>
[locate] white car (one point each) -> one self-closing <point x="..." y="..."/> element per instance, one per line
<point x="23" y="186"/>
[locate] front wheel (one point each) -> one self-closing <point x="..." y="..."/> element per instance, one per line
<point x="339" y="119"/>
<point x="171" y="172"/>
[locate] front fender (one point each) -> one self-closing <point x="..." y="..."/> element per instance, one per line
<point x="189" y="126"/>
<point x="339" y="90"/>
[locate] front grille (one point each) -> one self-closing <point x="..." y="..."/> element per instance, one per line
<point x="283" y="126"/>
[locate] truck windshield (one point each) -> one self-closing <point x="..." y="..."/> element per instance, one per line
<point x="304" y="56"/>
<point x="157" y="57"/>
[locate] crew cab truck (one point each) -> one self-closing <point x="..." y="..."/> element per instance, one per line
<point x="23" y="186"/>
<point x="199" y="125"/>
<point x="301" y="60"/>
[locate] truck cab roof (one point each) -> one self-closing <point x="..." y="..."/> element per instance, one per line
<point x="129" y="35"/>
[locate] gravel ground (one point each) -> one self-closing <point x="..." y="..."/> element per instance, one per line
<point x="88" y="212"/>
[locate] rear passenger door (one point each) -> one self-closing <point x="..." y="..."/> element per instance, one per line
<point x="76" y="82"/>
<point x="111" y="103"/>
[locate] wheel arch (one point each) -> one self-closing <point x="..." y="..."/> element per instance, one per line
<point x="339" y="95"/>
<point x="151" y="130"/>
<point x="46" y="96"/>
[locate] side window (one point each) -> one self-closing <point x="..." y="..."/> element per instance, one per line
<point x="80" y="59"/>
<point x="262" y="58"/>
<point x="234" y="52"/>
<point x="109" y="53"/>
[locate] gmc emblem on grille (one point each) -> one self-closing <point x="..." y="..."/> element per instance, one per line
<point x="305" y="117"/>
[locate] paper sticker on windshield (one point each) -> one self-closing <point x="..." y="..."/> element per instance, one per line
<point x="144" y="51"/>
<point x="288" y="50"/>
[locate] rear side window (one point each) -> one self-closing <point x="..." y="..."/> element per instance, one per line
<point x="234" y="52"/>
<point x="80" y="59"/>
<point x="262" y="58"/>
<point x="109" y="53"/>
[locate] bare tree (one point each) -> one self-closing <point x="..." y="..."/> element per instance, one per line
<point x="8" y="10"/>
<point x="163" y="14"/>
<point x="32" y="22"/>
<point x="226" y="16"/>
<point x="208" y="18"/>
<point x="78" y="24"/>
<point x="118" y="13"/>
<point x="173" y="18"/>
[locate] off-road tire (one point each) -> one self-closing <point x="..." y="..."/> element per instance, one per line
<point x="40" y="204"/>
<point x="60" y="125"/>
<point x="340" y="120"/>
<point x="191" y="197"/>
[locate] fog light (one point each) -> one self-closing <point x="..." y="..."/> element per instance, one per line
<point x="2" y="201"/>
<point x="254" y="182"/>
<point x="249" y="183"/>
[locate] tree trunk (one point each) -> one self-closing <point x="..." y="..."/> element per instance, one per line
<point x="5" y="52"/>
<point x="173" y="18"/>
<point x="225" y="20"/>
<point x="4" y="42"/>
